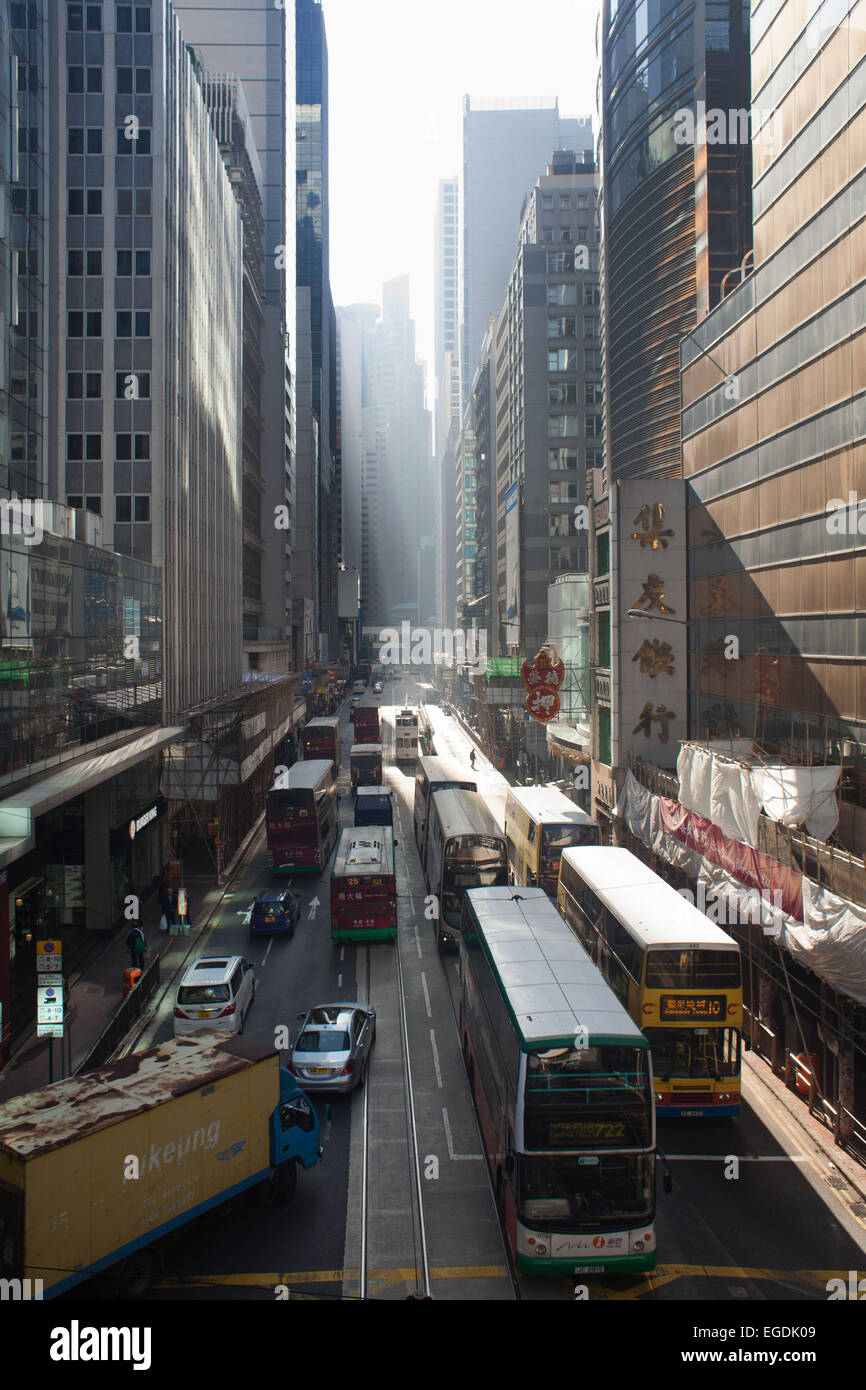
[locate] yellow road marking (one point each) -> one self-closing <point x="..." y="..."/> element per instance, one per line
<point x="666" y="1274"/>
<point x="332" y="1276"/>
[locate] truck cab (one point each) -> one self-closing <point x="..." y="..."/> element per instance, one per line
<point x="294" y="1136"/>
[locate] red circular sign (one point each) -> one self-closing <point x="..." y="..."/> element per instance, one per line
<point x="542" y="703"/>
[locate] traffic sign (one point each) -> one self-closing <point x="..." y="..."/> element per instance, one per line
<point x="51" y="978"/>
<point x="49" y="1004"/>
<point x="49" y="956"/>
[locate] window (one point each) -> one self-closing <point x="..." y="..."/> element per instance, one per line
<point x="94" y="140"/>
<point x="123" y="262"/>
<point x="124" y="19"/>
<point x="562" y="426"/>
<point x="75" y="139"/>
<point x="595" y="458"/>
<point x="142" y="323"/>
<point x="563" y="492"/>
<point x="590" y="328"/>
<point x="74" y="324"/>
<point x="561" y="559"/>
<point x="591" y="295"/>
<point x="132" y="386"/>
<point x="124" y="82"/>
<point x="563" y="460"/>
<point x="561" y="327"/>
<point x="561" y="294"/>
<point x="562" y="360"/>
<point x="142" y="446"/>
<point x="122" y="508"/>
<point x="124" y="202"/>
<point x="75" y="202"/>
<point x="27" y="263"/>
<point x="133" y="144"/>
<point x="75" y="447"/>
<point x="75" y="263"/>
<point x="547" y="234"/>
<point x="93" y="386"/>
<point x="562" y="393"/>
<point x="94" y="323"/>
<point x="142" y="202"/>
<point x="142" y="81"/>
<point x="142" y="262"/>
<point x="76" y="502"/>
<point x="558" y="261"/>
<point x="92" y="447"/>
<point x="593" y="426"/>
<point x="123" y="323"/>
<point x="141" y="508"/>
<point x="565" y="234"/>
<point x="565" y="200"/>
<point x="123" y="447"/>
<point x="142" y="19"/>
<point x="93" y="17"/>
<point x="94" y="202"/>
<point x="592" y="359"/>
<point x="592" y="392"/>
<point x="547" y="202"/>
<point x="94" y="504"/>
<point x="74" y="79"/>
<point x="94" y="263"/>
<point x="561" y="524"/>
<point x="94" y="80"/>
<point x="75" y="385"/>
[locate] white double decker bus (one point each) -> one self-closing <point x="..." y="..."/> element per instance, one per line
<point x="562" y="1083"/>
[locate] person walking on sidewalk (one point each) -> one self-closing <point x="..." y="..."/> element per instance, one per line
<point x="136" y="945"/>
<point x="472" y="759"/>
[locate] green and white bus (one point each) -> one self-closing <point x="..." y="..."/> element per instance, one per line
<point x="465" y="849"/>
<point x="562" y="1083"/>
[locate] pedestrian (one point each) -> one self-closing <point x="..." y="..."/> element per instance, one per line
<point x="136" y="945"/>
<point x="472" y="759"/>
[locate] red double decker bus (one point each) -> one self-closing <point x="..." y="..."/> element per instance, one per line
<point x="367" y="723"/>
<point x="364" y="885"/>
<point x="321" y="739"/>
<point x="302" y="819"/>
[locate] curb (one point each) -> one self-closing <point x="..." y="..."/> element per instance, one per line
<point x="823" y="1141"/>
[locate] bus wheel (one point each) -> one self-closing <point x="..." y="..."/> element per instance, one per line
<point x="136" y="1274"/>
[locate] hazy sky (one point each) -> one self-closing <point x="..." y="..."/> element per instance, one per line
<point x="398" y="73"/>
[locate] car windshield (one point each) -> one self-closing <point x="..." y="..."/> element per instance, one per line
<point x="322" y="1040"/>
<point x="203" y="994"/>
<point x="266" y="905"/>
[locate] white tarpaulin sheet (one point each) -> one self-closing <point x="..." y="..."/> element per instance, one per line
<point x="798" y="795"/>
<point x="737" y="903"/>
<point x="730" y="793"/>
<point x="831" y="941"/>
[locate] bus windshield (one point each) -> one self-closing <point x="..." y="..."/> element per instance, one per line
<point x="556" y="838"/>
<point x="470" y="862"/>
<point x="590" y="1097"/>
<point x="702" y="969"/>
<point x="709" y="1054"/>
<point x="570" y="1189"/>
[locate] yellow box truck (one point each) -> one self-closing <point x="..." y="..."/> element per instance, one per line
<point x="95" y="1169"/>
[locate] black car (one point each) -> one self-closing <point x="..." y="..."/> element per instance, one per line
<point x="276" y="912"/>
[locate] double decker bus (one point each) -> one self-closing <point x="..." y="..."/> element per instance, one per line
<point x="365" y="765"/>
<point x="302" y="819"/>
<point x="465" y="849"/>
<point x="562" y="1083"/>
<point x="364" y="886"/>
<point x="406" y="736"/>
<point x="435" y="775"/>
<point x="677" y="973"/>
<point x="366" y="722"/>
<point x="321" y="739"/>
<point x="425" y="733"/>
<point x="540" y="822"/>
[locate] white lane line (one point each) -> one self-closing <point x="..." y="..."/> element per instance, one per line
<point x="426" y="994"/>
<point x="339" y="982"/>
<point x="343" y="951"/>
<point x="417" y="941"/>
<point x="267" y="953"/>
<point x="742" y="1158"/>
<point x="436" y="1067"/>
<point x="451" y="1154"/>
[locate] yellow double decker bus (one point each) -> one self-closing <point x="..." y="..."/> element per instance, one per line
<point x="678" y="974"/>
<point x="540" y="822"/>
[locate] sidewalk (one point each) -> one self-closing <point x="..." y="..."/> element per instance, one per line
<point x="95" y="994"/>
<point x="853" y="1172"/>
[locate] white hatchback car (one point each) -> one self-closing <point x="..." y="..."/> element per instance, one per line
<point x="215" y="992"/>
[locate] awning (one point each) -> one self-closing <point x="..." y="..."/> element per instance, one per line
<point x="20" y="810"/>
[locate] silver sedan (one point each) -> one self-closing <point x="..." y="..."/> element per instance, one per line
<point x="332" y="1049"/>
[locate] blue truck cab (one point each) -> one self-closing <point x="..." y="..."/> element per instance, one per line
<point x="294" y="1137"/>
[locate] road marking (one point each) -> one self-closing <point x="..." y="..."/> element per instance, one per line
<point x="450" y="1142"/>
<point x="328" y="1276"/>
<point x="417" y="940"/>
<point x="426" y="994"/>
<point x="267" y="953"/>
<point x="339" y="982"/>
<point x="343" y="951"/>
<point x="741" y="1158"/>
<point x="436" y="1059"/>
<point x="666" y="1274"/>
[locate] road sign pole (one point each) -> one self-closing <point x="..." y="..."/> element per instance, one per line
<point x="50" y="1060"/>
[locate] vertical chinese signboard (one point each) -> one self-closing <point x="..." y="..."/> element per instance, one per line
<point x="653" y="647"/>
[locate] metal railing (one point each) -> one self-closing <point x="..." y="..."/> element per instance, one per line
<point x="119" y="1025"/>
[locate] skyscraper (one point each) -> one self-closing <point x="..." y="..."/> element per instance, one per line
<point x="506" y="145"/>
<point x="676" y="212"/>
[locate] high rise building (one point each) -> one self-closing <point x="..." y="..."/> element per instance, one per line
<point x="147" y="429"/>
<point x="319" y="511"/>
<point x="255" y="42"/>
<point x="447" y="373"/>
<point x="676" y="205"/>
<point x="506" y="145"/>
